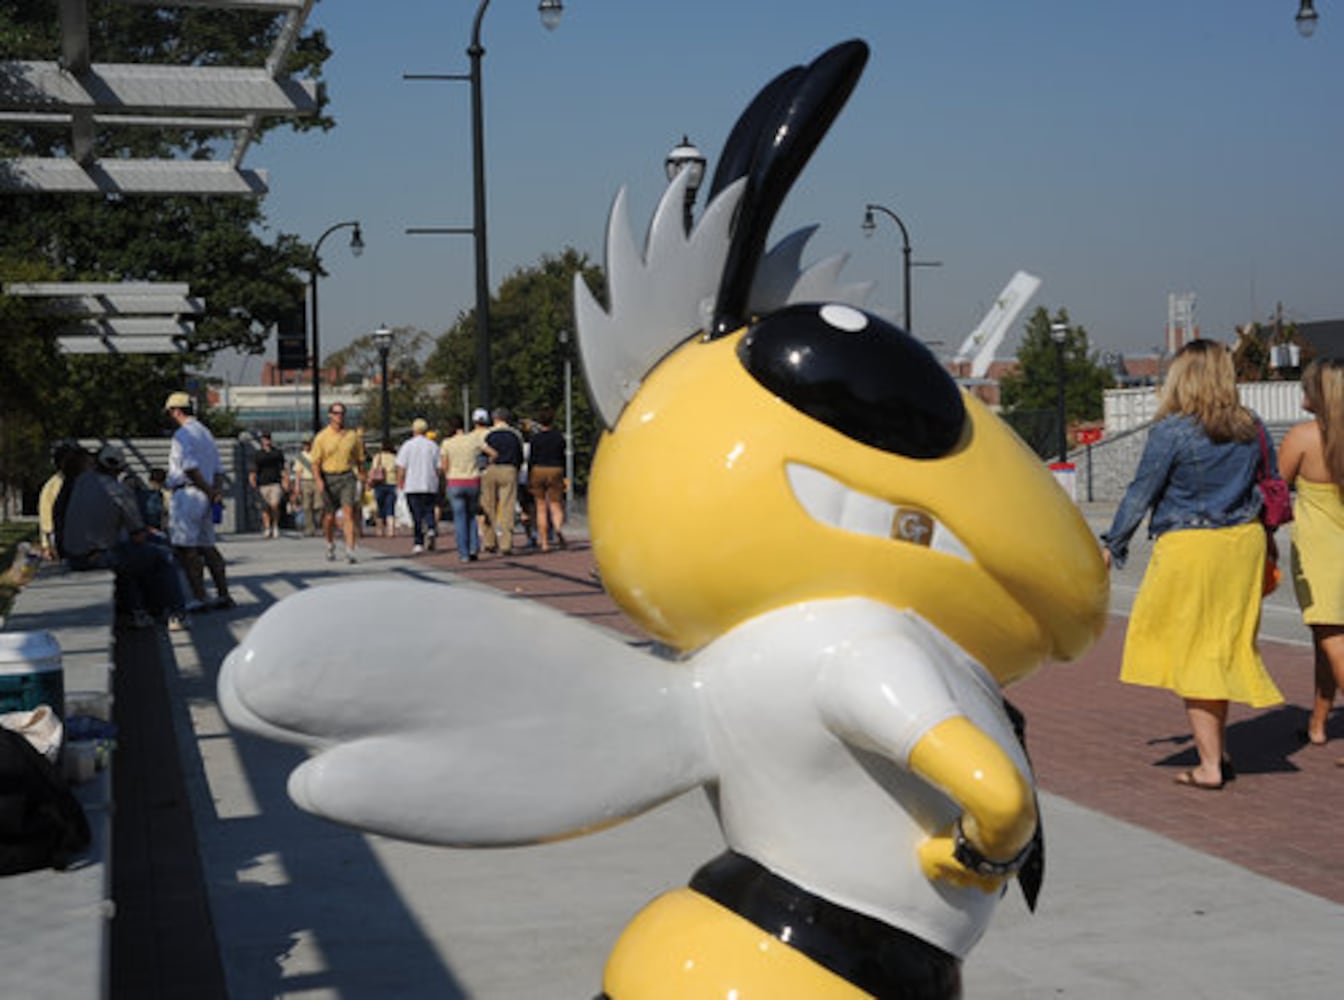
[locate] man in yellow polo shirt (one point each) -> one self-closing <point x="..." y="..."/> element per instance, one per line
<point x="338" y="476"/>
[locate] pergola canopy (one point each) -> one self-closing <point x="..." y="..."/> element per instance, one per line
<point x="80" y="94"/>
<point x="118" y="317"/>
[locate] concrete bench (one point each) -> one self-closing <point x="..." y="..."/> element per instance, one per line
<point x="55" y="932"/>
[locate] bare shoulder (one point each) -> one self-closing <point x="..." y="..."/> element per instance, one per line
<point x="1302" y="435"/>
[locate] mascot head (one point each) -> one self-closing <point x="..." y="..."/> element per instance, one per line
<point x="792" y="447"/>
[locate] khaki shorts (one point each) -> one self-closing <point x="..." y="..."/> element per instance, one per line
<point x="342" y="489"/>
<point x="546" y="483"/>
<point x="271" y="494"/>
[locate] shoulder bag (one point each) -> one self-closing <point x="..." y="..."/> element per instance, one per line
<point x="1278" y="505"/>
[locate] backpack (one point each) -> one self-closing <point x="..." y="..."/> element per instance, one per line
<point x="42" y="824"/>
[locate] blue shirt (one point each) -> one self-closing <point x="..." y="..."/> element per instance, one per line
<point x="1188" y="481"/>
<point x="508" y="444"/>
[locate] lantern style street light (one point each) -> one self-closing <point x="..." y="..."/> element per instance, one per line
<point x="382" y="339"/>
<point x="686" y="156"/>
<point x="1059" y="333"/>
<point x="314" y="270"/>
<point x="1306" y="18"/>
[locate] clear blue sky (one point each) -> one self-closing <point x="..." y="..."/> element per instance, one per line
<point x="1120" y="151"/>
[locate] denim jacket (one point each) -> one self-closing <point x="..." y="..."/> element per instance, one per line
<point x="1188" y="481"/>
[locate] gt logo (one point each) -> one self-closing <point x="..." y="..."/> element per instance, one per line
<point x="912" y="526"/>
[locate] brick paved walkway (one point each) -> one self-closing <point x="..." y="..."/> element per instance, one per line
<point x="1102" y="744"/>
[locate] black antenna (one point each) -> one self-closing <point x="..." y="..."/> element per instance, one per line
<point x="740" y="148"/>
<point x="781" y="128"/>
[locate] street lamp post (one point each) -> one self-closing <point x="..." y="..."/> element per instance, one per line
<point x="870" y="226"/>
<point x="686" y="156"/>
<point x="569" y="411"/>
<point x="1059" y="333"/>
<point x="314" y="269"/>
<point x="382" y="339"/>
<point x="550" y="11"/>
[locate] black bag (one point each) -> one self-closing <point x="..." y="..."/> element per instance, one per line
<point x="42" y="824"/>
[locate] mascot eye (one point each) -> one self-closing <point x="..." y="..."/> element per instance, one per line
<point x="858" y="374"/>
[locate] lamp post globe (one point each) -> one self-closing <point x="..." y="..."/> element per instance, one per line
<point x="550" y="11"/>
<point x="1306" y="18"/>
<point x="686" y="156"/>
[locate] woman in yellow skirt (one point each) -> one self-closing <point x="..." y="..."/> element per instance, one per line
<point x="1312" y="458"/>
<point x="1193" y="626"/>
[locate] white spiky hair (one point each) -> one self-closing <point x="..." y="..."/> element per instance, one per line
<point x="666" y="294"/>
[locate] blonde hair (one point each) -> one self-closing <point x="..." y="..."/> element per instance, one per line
<point x="1201" y="383"/>
<point x="1323" y="385"/>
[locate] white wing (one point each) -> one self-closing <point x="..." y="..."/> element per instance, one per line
<point x="448" y="715"/>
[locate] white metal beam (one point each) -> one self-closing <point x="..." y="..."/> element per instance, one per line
<point x="120" y="345"/>
<point x="36" y="289"/>
<point x="80" y="96"/>
<point x="274" y="5"/>
<point x="128" y="177"/>
<point x="27" y="85"/>
<point x="122" y="304"/>
<point x="64" y="119"/>
<point x="127" y="326"/>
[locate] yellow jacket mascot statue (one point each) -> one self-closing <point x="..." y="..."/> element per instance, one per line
<point x="792" y="494"/>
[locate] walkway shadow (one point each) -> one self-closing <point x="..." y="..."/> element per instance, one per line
<point x="302" y="905"/>
<point x="1263" y="744"/>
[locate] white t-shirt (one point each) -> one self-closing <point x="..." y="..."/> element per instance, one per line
<point x="189" y="510"/>
<point x="813" y="710"/>
<point x="419" y="456"/>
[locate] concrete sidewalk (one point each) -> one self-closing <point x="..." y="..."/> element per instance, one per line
<point x="302" y="907"/>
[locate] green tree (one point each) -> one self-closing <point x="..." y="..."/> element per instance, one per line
<point x="248" y="281"/>
<point x="532" y="307"/>
<point x="1252" y="354"/>
<point x="1034" y="388"/>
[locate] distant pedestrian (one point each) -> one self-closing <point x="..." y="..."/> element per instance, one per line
<point x="338" y="474"/>
<point x="1193" y="626"/>
<point x="480" y="427"/>
<point x="196" y="479"/>
<point x="499" y="483"/>
<point x="459" y="458"/>
<point x="270" y="478"/>
<point x="418" y="477"/>
<point x="1312" y="459"/>
<point x="383" y="479"/>
<point x="546" y="479"/>
<point x="527" y="505"/>
<point x="303" y="485"/>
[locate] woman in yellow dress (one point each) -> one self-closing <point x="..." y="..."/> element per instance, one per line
<point x="1312" y="457"/>
<point x="1193" y="626"/>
